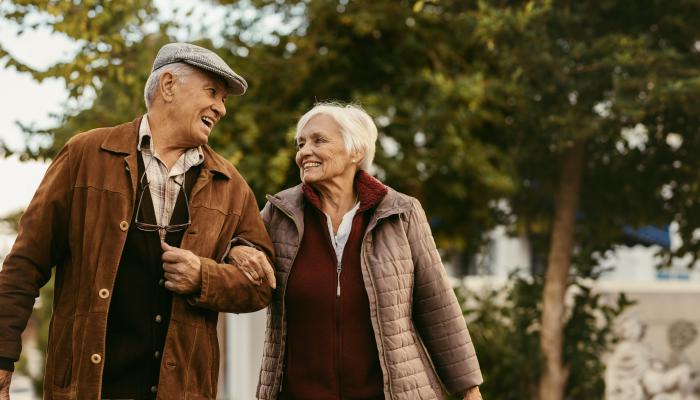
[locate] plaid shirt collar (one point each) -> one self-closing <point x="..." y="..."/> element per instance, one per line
<point x="164" y="184"/>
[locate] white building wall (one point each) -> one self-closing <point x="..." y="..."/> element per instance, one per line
<point x="245" y="334"/>
<point x="507" y="254"/>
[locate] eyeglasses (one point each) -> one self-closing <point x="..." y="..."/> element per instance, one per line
<point x="146" y="227"/>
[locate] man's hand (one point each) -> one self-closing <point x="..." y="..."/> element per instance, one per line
<point x="183" y="270"/>
<point x="5" y="378"/>
<point x="472" y="394"/>
<point x="254" y="264"/>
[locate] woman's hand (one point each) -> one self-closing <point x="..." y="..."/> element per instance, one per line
<point x="254" y="265"/>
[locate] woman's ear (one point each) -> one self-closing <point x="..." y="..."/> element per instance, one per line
<point x="358" y="156"/>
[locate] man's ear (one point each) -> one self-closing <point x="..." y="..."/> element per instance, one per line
<point x="166" y="84"/>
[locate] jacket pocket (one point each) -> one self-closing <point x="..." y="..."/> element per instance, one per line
<point x="62" y="353"/>
<point x="203" y="367"/>
<point x="210" y="232"/>
<point x="427" y="364"/>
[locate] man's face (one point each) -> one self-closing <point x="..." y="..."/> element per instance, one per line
<point x="198" y="104"/>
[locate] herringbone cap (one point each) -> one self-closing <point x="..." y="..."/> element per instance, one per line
<point x="201" y="58"/>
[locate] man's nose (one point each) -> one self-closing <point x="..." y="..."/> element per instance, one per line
<point x="219" y="108"/>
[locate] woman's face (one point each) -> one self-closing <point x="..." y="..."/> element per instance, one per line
<point x="321" y="154"/>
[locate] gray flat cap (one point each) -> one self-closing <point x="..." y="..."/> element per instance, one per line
<point x="201" y="58"/>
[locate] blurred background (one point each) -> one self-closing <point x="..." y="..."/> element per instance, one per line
<point x="554" y="145"/>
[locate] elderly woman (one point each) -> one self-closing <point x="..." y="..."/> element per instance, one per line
<point x="363" y="307"/>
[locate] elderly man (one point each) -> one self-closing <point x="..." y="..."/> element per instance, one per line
<point x="137" y="220"/>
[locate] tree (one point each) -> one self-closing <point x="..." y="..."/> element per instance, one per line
<point x="11" y="220"/>
<point x="430" y="105"/>
<point x="114" y="40"/>
<point x="589" y="76"/>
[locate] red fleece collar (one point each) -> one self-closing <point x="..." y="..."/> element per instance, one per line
<point x="369" y="190"/>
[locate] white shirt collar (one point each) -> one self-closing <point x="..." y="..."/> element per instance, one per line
<point x="340" y="239"/>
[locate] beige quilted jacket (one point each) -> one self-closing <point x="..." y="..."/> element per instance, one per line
<point x="424" y="345"/>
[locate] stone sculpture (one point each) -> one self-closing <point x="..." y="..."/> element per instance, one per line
<point x="635" y="372"/>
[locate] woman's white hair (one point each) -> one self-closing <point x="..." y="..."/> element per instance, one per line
<point x="356" y="127"/>
<point x="179" y="70"/>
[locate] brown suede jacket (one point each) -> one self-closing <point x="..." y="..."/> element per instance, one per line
<point x="78" y="222"/>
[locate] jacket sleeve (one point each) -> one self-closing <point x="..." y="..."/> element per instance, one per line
<point x="41" y="243"/>
<point x="225" y="287"/>
<point x="436" y="311"/>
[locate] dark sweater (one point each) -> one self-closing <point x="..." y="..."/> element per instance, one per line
<point x="331" y="349"/>
<point x="139" y="312"/>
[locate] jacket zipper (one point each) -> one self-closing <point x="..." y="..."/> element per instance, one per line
<point x="339" y="345"/>
<point x="338" y="270"/>
<point x="339" y="339"/>
<point x="339" y="262"/>
<point x="336" y="306"/>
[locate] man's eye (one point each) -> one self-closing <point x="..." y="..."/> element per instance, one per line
<point x="300" y="145"/>
<point x="212" y="91"/>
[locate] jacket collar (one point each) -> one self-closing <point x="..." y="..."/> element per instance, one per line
<point x="214" y="162"/>
<point x="388" y="201"/>
<point x="393" y="203"/>
<point x="123" y="139"/>
<point x="369" y="192"/>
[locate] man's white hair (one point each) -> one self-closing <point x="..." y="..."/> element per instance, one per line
<point x="356" y="127"/>
<point x="179" y="71"/>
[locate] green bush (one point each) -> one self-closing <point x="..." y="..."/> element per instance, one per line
<point x="504" y="324"/>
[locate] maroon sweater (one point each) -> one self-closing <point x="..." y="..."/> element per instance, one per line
<point x="331" y="352"/>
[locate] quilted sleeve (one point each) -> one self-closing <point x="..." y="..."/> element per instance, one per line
<point x="436" y="311"/>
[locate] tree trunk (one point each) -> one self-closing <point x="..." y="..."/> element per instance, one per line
<point x="555" y="373"/>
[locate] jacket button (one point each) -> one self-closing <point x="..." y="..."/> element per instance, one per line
<point x="96" y="358"/>
<point x="154" y="389"/>
<point x="156" y="354"/>
<point x="159" y="318"/>
<point x="161" y="282"/>
<point x="103" y="293"/>
<point x="124" y="226"/>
